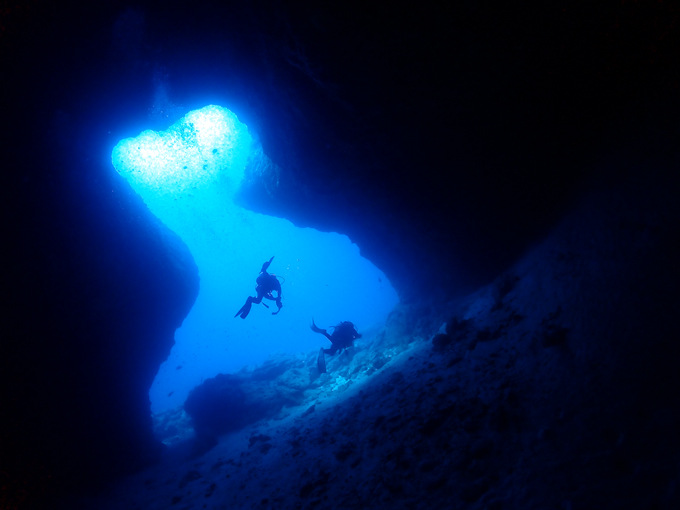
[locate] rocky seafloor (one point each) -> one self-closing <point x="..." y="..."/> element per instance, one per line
<point x="554" y="387"/>
<point x="279" y="386"/>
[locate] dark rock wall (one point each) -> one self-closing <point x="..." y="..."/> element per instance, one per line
<point x="556" y="386"/>
<point x="464" y="129"/>
<point x="443" y="140"/>
<point x="94" y="288"/>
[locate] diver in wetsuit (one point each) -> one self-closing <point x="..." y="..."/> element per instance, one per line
<point x="266" y="284"/>
<point x="343" y="337"/>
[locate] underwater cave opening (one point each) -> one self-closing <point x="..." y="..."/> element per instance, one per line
<point x="187" y="175"/>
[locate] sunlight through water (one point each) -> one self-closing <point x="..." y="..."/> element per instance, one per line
<point x="187" y="176"/>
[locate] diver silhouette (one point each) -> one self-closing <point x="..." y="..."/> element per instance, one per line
<point x="266" y="284"/>
<point x="343" y="337"/>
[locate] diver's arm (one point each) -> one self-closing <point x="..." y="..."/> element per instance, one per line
<point x="277" y="289"/>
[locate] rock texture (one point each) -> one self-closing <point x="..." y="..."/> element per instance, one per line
<point x="95" y="291"/>
<point x="442" y="138"/>
<point x="551" y="391"/>
<point x="230" y="402"/>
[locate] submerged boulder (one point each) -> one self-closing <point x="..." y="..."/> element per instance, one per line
<point x="229" y="402"/>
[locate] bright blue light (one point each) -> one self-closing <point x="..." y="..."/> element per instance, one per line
<point x="192" y="154"/>
<point x="187" y="176"/>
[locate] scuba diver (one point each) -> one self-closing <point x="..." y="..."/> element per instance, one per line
<point x="266" y="284"/>
<point x="343" y="337"/>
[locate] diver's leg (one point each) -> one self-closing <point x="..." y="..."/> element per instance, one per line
<point x="257" y="300"/>
<point x="331" y="351"/>
<point x="317" y="329"/>
<point x="321" y="362"/>
<point x="245" y="309"/>
<point x="265" y="266"/>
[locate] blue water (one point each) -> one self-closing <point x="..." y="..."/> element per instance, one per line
<point x="187" y="175"/>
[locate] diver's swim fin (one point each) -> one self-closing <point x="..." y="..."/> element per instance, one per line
<point x="321" y="362"/>
<point x="265" y="266"/>
<point x="317" y="329"/>
<point x="245" y="310"/>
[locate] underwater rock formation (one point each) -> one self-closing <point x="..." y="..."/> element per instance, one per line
<point x="99" y="287"/>
<point x="229" y="402"/>
<point x="442" y="138"/>
<point x="558" y="388"/>
<point x="555" y="386"/>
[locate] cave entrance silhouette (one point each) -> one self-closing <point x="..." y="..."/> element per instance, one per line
<point x="188" y="175"/>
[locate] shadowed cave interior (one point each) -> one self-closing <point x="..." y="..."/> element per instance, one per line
<point x="504" y="178"/>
